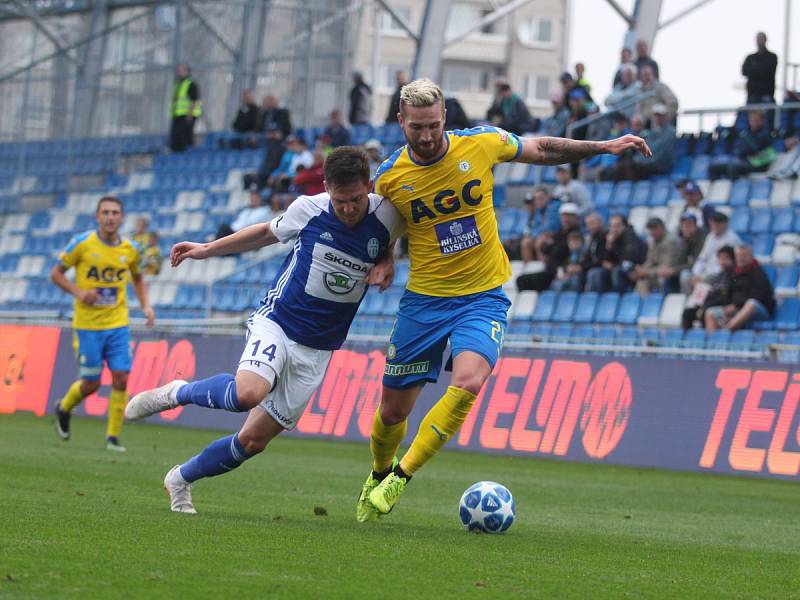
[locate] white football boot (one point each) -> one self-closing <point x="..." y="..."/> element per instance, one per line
<point x="179" y="491"/>
<point x="153" y="401"/>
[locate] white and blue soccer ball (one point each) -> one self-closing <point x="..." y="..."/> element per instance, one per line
<point x="487" y="507"/>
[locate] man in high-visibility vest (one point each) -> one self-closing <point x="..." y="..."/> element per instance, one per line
<point x="185" y="109"/>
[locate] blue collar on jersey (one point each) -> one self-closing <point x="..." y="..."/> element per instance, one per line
<point x="435" y="160"/>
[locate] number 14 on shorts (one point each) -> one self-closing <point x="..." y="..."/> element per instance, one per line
<point x="268" y="351"/>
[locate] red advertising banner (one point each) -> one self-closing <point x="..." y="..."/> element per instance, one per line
<point x="27" y="359"/>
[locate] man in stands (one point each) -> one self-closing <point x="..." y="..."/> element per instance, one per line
<point x="759" y="68"/>
<point x="626" y="58"/>
<point x="509" y="111"/>
<point x="339" y="134"/>
<point x="719" y="235"/>
<point x="360" y="101"/>
<point x="311" y="181"/>
<point x="570" y="277"/>
<point x="542" y="217"/>
<point x="661" y="138"/>
<point x="595" y="252"/>
<point x="296" y="155"/>
<point x="620" y="98"/>
<point x="643" y="58"/>
<point x="374" y="150"/>
<point x="752" y="296"/>
<point x="624" y="250"/>
<point x="718" y="292"/>
<point x="580" y="77"/>
<point x="753" y="151"/>
<point x="556" y="124"/>
<point x="666" y="257"/>
<point x="552" y="249"/>
<point x="400" y="79"/>
<point x="186" y="109"/>
<point x="662" y="95"/>
<point x="571" y="190"/>
<point x="247" y="117"/>
<point x="274" y="117"/>
<point x="694" y="237"/>
<point x="104" y="263"/>
<point x="695" y="205"/>
<point x="254" y="212"/>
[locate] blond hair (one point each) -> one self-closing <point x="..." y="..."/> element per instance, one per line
<point x="421" y="92"/>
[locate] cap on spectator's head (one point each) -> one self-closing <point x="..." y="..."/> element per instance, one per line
<point x="528" y="197"/>
<point x="718" y="217"/>
<point x="569" y="208"/>
<point x="691" y="187"/>
<point x="616" y="117"/>
<point x="659" y="108"/>
<point x="373" y="144"/>
<point x="291" y="138"/>
<point x="681" y="183"/>
<point x="253" y="187"/>
<point x="687" y="216"/>
<point x="565" y="76"/>
<point x="654" y="222"/>
<point x="564" y="167"/>
<point x="577" y="94"/>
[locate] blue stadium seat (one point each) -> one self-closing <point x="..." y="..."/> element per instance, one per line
<point x="565" y="307"/>
<point x="622" y="194"/>
<point x="545" y="306"/>
<point x="763" y="246"/>
<point x="541" y="331"/>
<point x="499" y="196"/>
<point x="787" y="277"/>
<point x="700" y="167"/>
<point x="659" y="195"/>
<point x="761" y="190"/>
<point x="584" y="333"/>
<point x="651" y="306"/>
<point x="770" y="272"/>
<point x="607" y="308"/>
<point x="561" y="332"/>
<point x="682" y="168"/>
<point x="694" y="338"/>
<point x="629" y="309"/>
<point x="718" y="340"/>
<point x="740" y="220"/>
<point x="787" y="317"/>
<point x="743" y="339"/>
<point x="603" y="193"/>
<point x="783" y="220"/>
<point x="760" y="221"/>
<point x="642" y="192"/>
<point x="606" y="334"/>
<point x="587" y="305"/>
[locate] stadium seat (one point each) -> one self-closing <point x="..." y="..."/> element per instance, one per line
<point x="786" y="280"/>
<point x="541" y="331"/>
<point x="760" y="221"/>
<point x="586" y="307"/>
<point x="740" y="193"/>
<point x="651" y="309"/>
<point x="781" y="194"/>
<point x="763" y="246"/>
<point x="743" y="339"/>
<point x="720" y="191"/>
<point x="565" y="307"/>
<point x="524" y="306"/>
<point x="783" y="220"/>
<point x="787" y="317"/>
<point x="718" y="340"/>
<point x="672" y="310"/>
<point x="606" y="334"/>
<point x="562" y="332"/>
<point x="660" y="192"/>
<point x="603" y="193"/>
<point x="545" y="306"/>
<point x="630" y="308"/>
<point x="642" y="191"/>
<point x="694" y="338"/>
<point x="770" y="272"/>
<point x="606" y="311"/>
<point x="740" y="220"/>
<point x="760" y="192"/>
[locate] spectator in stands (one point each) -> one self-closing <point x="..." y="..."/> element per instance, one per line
<point x="595" y="243"/>
<point x="572" y="190"/>
<point x="140" y="234"/>
<point x="624" y="250"/>
<point x="752" y="296"/>
<point x="339" y="134"/>
<point x="556" y="124"/>
<point x="694" y="203"/>
<point x="620" y="98"/>
<point x="571" y="277"/>
<point x="311" y="181"/>
<point x="626" y="58"/>
<point x="296" y="155"/>
<point x="552" y="250"/>
<point x="666" y="257"/>
<point x="254" y="212"/>
<point x="374" y="150"/>
<point x="186" y="109"/>
<point x="274" y="117"/>
<point x="577" y="101"/>
<point x="360" y="101"/>
<point x="662" y="95"/>
<point x="151" y="257"/>
<point x="787" y="165"/>
<point x="400" y="79"/>
<point x="542" y="218"/>
<point x="322" y="144"/>
<point x="753" y="150"/>
<point x="273" y="154"/>
<point x="580" y="77"/>
<point x="694" y="237"/>
<point x="718" y="292"/>
<point x="643" y="58"/>
<point x="455" y="116"/>
<point x="508" y="110"/>
<point x="719" y="235"/>
<point x="592" y="168"/>
<point x="600" y="127"/>
<point x="661" y="137"/>
<point x="569" y="84"/>
<point x="759" y="68"/>
<point x="247" y="117"/>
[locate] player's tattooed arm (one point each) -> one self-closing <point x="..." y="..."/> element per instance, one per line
<point x="556" y="151"/>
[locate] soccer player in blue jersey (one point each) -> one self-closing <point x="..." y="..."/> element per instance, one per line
<point x="338" y="236"/>
<point x="442" y="183"/>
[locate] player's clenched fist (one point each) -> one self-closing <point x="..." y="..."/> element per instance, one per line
<point x="628" y="142"/>
<point x="183" y="250"/>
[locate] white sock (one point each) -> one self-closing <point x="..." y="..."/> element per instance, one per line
<point x="173" y="393"/>
<point x="175" y="477"/>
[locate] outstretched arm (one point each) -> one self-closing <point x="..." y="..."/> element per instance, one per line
<point x="556" y="151"/>
<point x="250" y="238"/>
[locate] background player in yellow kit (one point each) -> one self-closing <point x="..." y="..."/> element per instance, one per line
<point x="103" y="263"/>
<point x="441" y="182"/>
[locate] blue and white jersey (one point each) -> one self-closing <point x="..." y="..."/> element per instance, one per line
<point x="322" y="281"/>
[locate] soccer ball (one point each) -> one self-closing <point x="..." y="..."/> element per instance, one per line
<point x="487" y="507"/>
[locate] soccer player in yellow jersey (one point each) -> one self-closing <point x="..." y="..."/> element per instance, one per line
<point x="103" y="262"/>
<point x="441" y="182"/>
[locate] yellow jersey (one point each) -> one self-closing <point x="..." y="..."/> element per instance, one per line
<point x="453" y="242"/>
<point x="107" y="269"/>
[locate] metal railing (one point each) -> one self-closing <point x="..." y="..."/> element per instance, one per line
<point x="700" y="113"/>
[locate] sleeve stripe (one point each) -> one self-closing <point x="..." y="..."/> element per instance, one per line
<point x="81" y="237"/>
<point x="519" y="146"/>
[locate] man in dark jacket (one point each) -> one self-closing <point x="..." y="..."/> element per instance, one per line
<point x="624" y="250"/>
<point x="759" y="68"/>
<point x="754" y="151"/>
<point x="336" y="131"/>
<point x="247" y="117"/>
<point x="595" y="242"/>
<point x="752" y="297"/>
<point x="274" y="117"/>
<point x="553" y="250"/>
<point x="510" y="112"/>
<point x="394" y="102"/>
<point x="360" y="101"/>
<point x="719" y="293"/>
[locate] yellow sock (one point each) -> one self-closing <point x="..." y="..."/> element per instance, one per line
<point x="439" y="425"/>
<point x="384" y="441"/>
<point x="116" y="412"/>
<point x="73" y="397"/>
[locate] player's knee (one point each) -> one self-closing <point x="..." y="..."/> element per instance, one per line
<point x="250" y="395"/>
<point x="253" y="443"/>
<point x="471" y="382"/>
<point x="392" y="415"/>
<point x="89" y="386"/>
<point x="119" y="381"/>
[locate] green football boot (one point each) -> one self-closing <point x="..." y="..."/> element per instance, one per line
<point x="387" y="493"/>
<point x="364" y="509"/>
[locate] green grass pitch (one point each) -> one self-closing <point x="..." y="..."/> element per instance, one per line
<point x="79" y="522"/>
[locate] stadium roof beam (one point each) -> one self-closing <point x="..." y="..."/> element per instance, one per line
<point x="212" y="30"/>
<point x="685" y="12"/>
<point x="398" y="19"/>
<point x="493" y="16"/>
<point x="88" y="76"/>
<point x="31" y="13"/>
<point x="621" y="12"/>
<point x="428" y="58"/>
<point x="254" y="20"/>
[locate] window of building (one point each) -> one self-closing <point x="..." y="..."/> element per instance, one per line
<point x="467" y="78"/>
<point x="537" y="88"/>
<point x="537" y="32"/>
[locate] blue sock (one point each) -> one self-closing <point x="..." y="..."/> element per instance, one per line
<point x="218" y="391"/>
<point x="220" y="456"/>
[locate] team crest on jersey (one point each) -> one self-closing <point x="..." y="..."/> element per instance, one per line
<point x="339" y="283"/>
<point x="123" y="259"/>
<point x="504" y="137"/>
<point x="373" y="247"/>
<point x="464" y="166"/>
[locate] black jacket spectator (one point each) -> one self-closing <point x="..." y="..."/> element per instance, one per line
<point x="643" y="57"/>
<point x="753" y="283"/>
<point x="274" y="117"/>
<point x="339" y="134"/>
<point x="510" y="112"/>
<point x="360" y="101"/>
<point x="455" y="118"/>
<point x="753" y="150"/>
<point x="628" y="247"/>
<point x="394" y="102"/>
<point x="247" y="118"/>
<point x="759" y="68"/>
<point x="595" y="251"/>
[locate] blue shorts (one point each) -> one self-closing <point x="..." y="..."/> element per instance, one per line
<point x="424" y="324"/>
<point x="761" y="313"/>
<point x="95" y="345"/>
